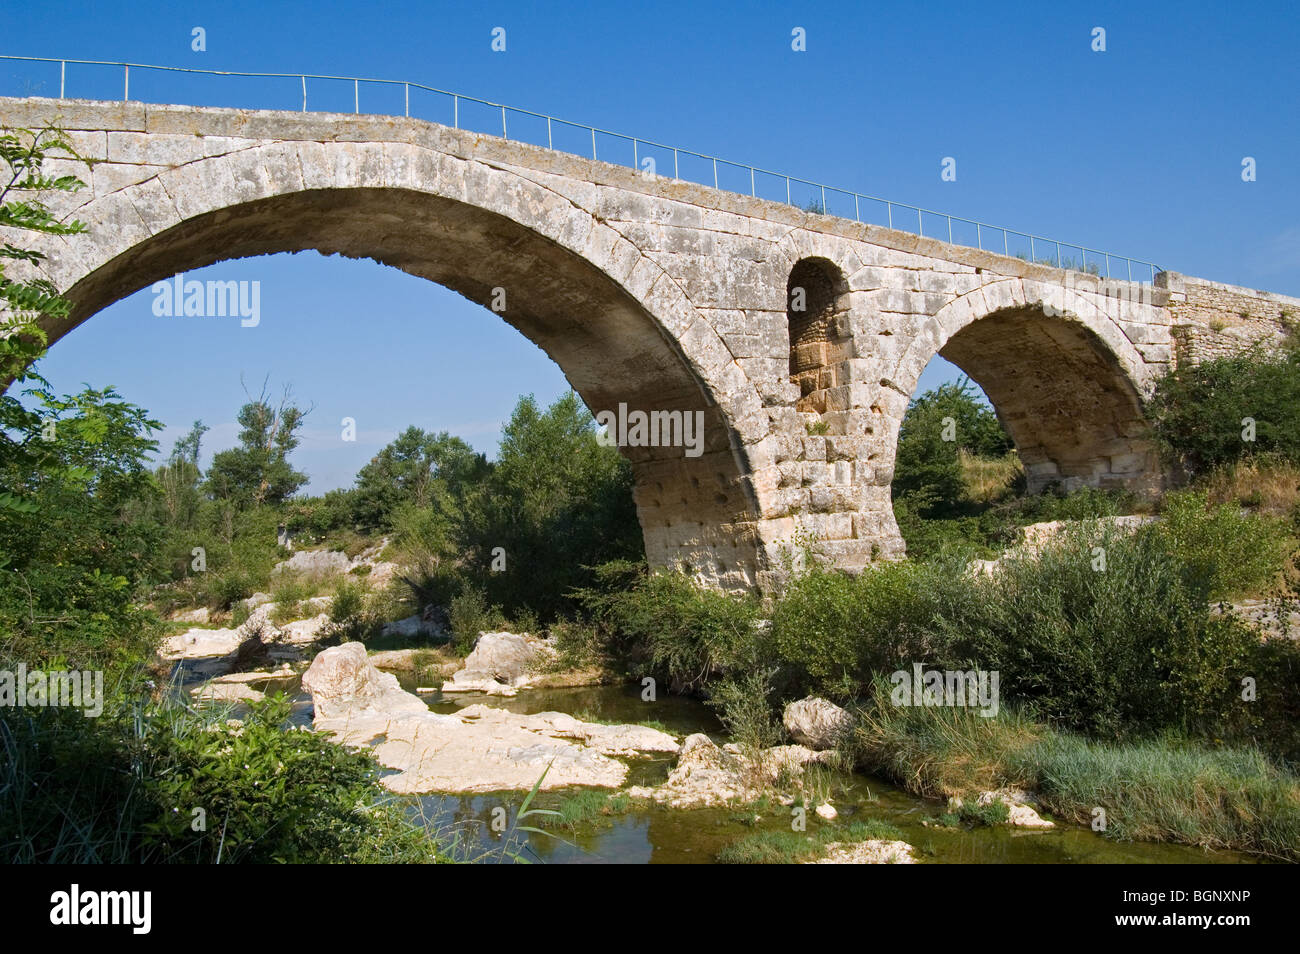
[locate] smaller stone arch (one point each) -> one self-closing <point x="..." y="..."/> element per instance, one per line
<point x="817" y="306"/>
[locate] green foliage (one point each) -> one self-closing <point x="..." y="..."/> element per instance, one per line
<point x="1198" y="411"/>
<point x="470" y="615"/>
<point x="557" y="502"/>
<point x="258" y="471"/>
<point x="744" y="705"/>
<point x="927" y="469"/>
<point x="420" y="470"/>
<point x="1229" y="553"/>
<point x="122" y="789"/>
<point x="830" y="631"/>
<point x="664" y="625"/>
<point x="30" y="303"/>
<point x="1106" y="649"/>
<point x="73" y="559"/>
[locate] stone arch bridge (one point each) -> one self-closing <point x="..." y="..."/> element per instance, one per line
<point x="795" y="338"/>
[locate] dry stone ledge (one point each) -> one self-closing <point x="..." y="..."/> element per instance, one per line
<point x="500" y="664"/>
<point x="478" y="749"/>
<point x="874" y="851"/>
<point x="314" y="563"/>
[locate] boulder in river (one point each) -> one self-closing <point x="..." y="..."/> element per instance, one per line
<point x="500" y="664"/>
<point x="816" y="723"/>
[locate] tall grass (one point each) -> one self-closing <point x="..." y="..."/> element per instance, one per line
<point x="1163" y="789"/>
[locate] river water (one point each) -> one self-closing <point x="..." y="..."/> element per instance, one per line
<point x="658" y="835"/>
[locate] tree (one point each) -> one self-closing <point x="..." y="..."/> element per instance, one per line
<point x="555" y="503"/>
<point x="937" y="427"/>
<point x="73" y="554"/>
<point x="418" y="469"/>
<point x="258" y="471"/>
<point x="29" y="302"/>
<point x="179" y="478"/>
<point x="1223" y="410"/>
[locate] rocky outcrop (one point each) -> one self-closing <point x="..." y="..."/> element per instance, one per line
<point x="816" y="723"/>
<point x="344" y="685"/>
<point x="874" y="851"/>
<point x="500" y="664"/>
<point x="709" y="776"/>
<point x="478" y="749"/>
<point x="314" y="563"/>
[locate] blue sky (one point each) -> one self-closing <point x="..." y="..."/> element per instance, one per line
<point x="1136" y="150"/>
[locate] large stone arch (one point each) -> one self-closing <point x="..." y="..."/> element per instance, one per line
<point x="1062" y="374"/>
<point x="622" y="329"/>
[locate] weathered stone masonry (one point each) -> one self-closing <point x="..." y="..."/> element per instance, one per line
<point x="663" y="295"/>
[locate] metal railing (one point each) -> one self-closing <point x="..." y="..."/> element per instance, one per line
<point x="896" y="215"/>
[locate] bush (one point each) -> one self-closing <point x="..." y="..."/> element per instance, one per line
<point x="1229" y="553"/>
<point x="1107" y="648"/>
<point x="666" y="626"/>
<point x="1198" y="411"/>
<point x="831" y="631"/>
<point x="556" y="502"/>
<point x="470" y="615"/>
<point x="122" y="788"/>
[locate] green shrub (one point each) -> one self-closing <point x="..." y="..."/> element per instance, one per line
<point x="745" y="707"/>
<point x="123" y="788"/>
<point x="470" y="615"/>
<point x="349" y="601"/>
<point x="665" y="625"/>
<point x="830" y="631"/>
<point x="1199" y="411"/>
<point x="1229" y="553"/>
<point x="1106" y="648"/>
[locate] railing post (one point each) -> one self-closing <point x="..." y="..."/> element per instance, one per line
<point x="752" y="190"/>
<point x="950" y="230"/>
<point x="824" y="212"/>
<point x="979" y="238"/>
<point x="1032" y="255"/>
<point x="1130" y="268"/>
<point x="408" y="99"/>
<point x="1058" y="254"/>
<point x="126" y="82"/>
<point x="788" y="200"/>
<point x="1005" y="247"/>
<point x="504" y="133"/>
<point x="636" y="157"/>
<point x="889" y="212"/>
<point x="356" y="96"/>
<point x="63" y="77"/>
<point x="455" y="111"/>
<point x="304" y="93"/>
<point x="549" y="140"/>
<point x="715" y="173"/>
<point x="675" y="175"/>
<point x="857" y="209"/>
<point x="920" y="225"/>
<point x="593" y="142"/>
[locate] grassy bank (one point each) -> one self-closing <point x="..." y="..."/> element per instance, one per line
<point x="1159" y="789"/>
